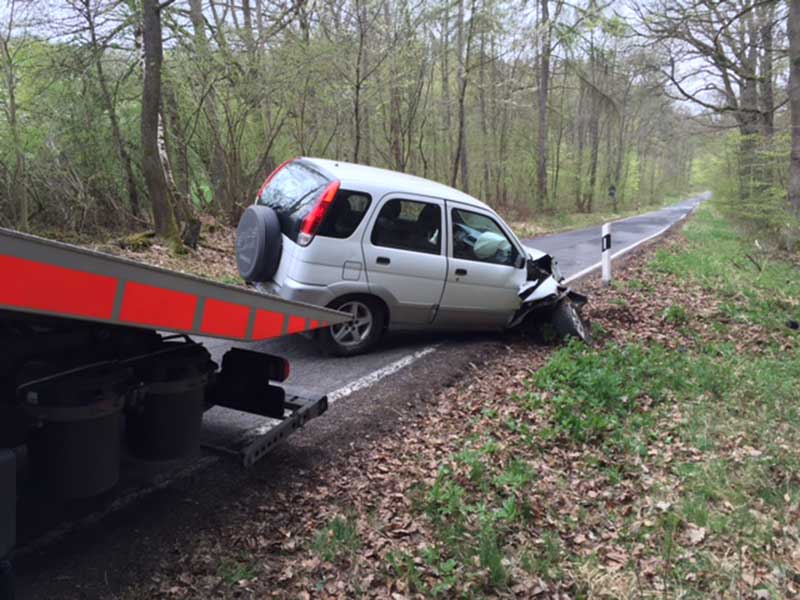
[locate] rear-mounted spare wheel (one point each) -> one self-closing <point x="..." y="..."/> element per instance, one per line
<point x="258" y="243"/>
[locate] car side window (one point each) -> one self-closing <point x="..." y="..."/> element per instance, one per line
<point x="409" y="225"/>
<point x="345" y="214"/>
<point x="479" y="238"/>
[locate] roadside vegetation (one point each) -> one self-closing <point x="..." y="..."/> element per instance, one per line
<point x="149" y="116"/>
<point x="661" y="462"/>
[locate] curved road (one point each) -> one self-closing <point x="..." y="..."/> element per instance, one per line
<point x="157" y="511"/>
<point x="576" y="251"/>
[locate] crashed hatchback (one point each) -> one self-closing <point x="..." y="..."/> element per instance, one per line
<point x="397" y="252"/>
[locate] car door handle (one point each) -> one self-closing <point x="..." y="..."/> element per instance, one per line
<point x="382" y="260"/>
<point x="461" y="272"/>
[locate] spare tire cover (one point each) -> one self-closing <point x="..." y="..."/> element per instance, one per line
<point x="258" y="243"/>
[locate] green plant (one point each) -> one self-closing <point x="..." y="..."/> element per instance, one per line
<point x="337" y="539"/>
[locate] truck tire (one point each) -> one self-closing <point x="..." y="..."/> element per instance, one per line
<point x="567" y="322"/>
<point x="258" y="243"/>
<point x="358" y="335"/>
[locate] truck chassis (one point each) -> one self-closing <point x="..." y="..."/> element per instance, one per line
<point x="98" y="364"/>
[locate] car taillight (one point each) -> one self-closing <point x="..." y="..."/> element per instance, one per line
<point x="314" y="219"/>
<point x="270" y="177"/>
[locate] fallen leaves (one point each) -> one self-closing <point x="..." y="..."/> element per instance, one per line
<point x="583" y="519"/>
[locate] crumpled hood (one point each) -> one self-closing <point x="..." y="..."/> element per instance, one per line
<point x="534" y="254"/>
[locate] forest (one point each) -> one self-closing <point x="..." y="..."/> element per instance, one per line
<point x="143" y="115"/>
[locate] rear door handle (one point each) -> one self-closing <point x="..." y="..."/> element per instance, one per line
<point x="382" y="260"/>
<point x="461" y="272"/>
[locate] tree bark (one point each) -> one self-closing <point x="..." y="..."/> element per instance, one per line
<point x="544" y="90"/>
<point x="117" y="139"/>
<point x="17" y="194"/>
<point x="152" y="168"/>
<point x="794" y="102"/>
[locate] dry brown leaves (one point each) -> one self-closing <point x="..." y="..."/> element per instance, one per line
<point x="213" y="259"/>
<point x="571" y="495"/>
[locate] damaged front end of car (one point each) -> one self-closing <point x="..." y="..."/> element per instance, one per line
<point x="545" y="299"/>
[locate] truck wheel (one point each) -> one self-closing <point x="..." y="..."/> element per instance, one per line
<point x="568" y="322"/>
<point x="359" y="334"/>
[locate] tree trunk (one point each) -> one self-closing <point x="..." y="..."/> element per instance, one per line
<point x="17" y="195"/>
<point x="395" y="105"/>
<point x="447" y="109"/>
<point x="484" y="124"/>
<point x="120" y="144"/>
<point x="794" y="102"/>
<point x="766" y="15"/>
<point x="544" y="90"/>
<point x="152" y="168"/>
<point x="463" y="51"/>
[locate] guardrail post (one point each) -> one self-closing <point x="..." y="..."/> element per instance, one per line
<point x="606" y="253"/>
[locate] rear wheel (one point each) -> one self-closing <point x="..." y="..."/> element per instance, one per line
<point x="359" y="334"/>
<point x="568" y="322"/>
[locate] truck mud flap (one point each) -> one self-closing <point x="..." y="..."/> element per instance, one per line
<point x="258" y="442"/>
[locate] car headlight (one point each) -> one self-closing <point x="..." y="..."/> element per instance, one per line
<point x="556" y="270"/>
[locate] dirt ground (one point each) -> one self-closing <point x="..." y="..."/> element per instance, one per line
<point x="335" y="512"/>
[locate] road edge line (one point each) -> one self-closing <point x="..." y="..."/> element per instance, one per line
<point x="633" y="246"/>
<point x="375" y="376"/>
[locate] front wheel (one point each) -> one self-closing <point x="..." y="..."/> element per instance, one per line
<point x="568" y="322"/>
<point x="359" y="334"/>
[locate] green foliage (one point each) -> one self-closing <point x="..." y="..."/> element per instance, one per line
<point x="339" y="539"/>
<point x="754" y="288"/>
<point x="592" y="392"/>
<point x="748" y="177"/>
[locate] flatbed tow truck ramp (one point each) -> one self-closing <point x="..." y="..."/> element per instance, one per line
<point x="98" y="365"/>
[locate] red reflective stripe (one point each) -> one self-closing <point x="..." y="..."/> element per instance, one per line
<point x="267" y="325"/>
<point x="148" y="305"/>
<point x="224" y="318"/>
<point x="38" y="286"/>
<point x="296" y="324"/>
<point x="314" y="324"/>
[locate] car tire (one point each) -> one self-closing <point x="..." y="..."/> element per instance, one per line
<point x="358" y="335"/>
<point x="567" y="322"/>
<point x="259" y="243"/>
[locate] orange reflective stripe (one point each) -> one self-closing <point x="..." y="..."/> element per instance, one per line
<point x="296" y="324"/>
<point x="224" y="318"/>
<point x="37" y="286"/>
<point x="149" y="305"/>
<point x="267" y="325"/>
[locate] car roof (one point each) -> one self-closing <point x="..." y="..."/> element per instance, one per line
<point x="353" y="175"/>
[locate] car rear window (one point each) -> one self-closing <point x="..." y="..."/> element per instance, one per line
<point x="292" y="194"/>
<point x="345" y="214"/>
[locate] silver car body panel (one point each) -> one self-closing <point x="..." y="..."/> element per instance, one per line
<point x="420" y="290"/>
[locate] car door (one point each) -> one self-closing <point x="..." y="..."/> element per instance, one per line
<point x="405" y="257"/>
<point x="483" y="276"/>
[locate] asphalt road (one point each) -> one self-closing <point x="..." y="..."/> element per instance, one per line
<point x="576" y="251"/>
<point x="93" y="552"/>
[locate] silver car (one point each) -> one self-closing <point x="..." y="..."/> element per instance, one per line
<point x="397" y="252"/>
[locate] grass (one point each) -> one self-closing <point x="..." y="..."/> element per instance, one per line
<point x="703" y="440"/>
<point x="565" y="221"/>
<point x="338" y="540"/>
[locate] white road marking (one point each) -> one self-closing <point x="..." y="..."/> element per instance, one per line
<point x="374" y="377"/>
<point x="627" y="249"/>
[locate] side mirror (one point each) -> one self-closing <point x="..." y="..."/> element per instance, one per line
<point x="520" y="261"/>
